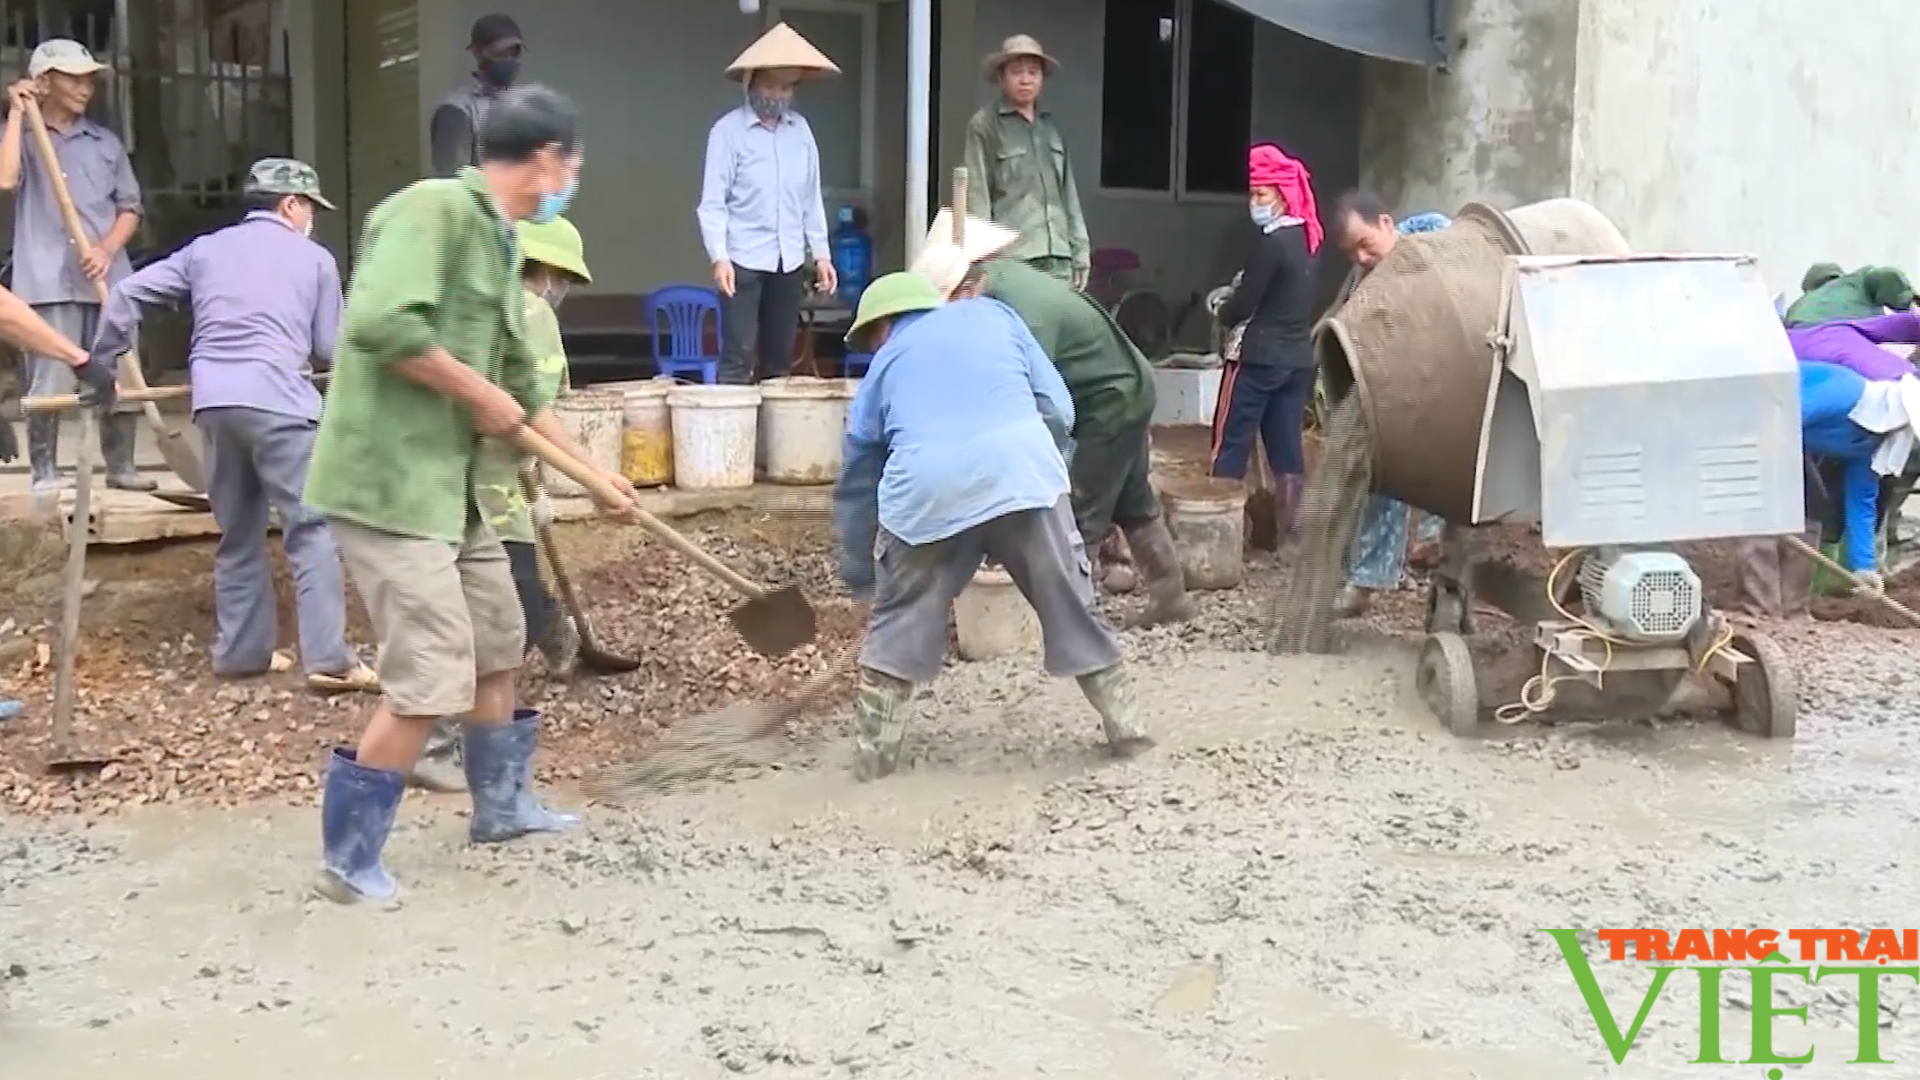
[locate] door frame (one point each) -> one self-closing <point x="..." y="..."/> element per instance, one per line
<point x="869" y="75"/>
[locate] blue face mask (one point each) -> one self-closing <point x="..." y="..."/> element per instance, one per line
<point x="1262" y="214"/>
<point x="552" y="206"/>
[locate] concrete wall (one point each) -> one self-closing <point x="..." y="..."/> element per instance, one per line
<point x="648" y="108"/>
<point x="1779" y="127"/>
<point x="1496" y="126"/>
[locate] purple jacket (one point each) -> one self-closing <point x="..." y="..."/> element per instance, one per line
<point x="1855" y="344"/>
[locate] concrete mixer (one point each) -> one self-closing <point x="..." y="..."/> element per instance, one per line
<point x="1526" y="367"/>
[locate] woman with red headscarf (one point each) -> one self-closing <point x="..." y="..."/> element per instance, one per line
<point x="1269" y="379"/>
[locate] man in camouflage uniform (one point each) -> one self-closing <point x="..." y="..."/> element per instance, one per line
<point x="266" y="304"/>
<point x="496" y="45"/>
<point x="1021" y="175"/>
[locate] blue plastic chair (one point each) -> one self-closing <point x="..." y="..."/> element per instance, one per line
<point x="679" y="347"/>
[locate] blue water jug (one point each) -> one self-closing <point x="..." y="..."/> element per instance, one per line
<point x="852" y="257"/>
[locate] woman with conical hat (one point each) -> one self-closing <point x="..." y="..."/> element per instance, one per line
<point x="761" y="214"/>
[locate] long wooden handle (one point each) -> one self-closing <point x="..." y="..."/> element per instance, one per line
<point x="959" y="206"/>
<point x="536" y="444"/>
<point x="50" y="164"/>
<point x="67" y="402"/>
<point x="1853" y="579"/>
<point x="561" y="581"/>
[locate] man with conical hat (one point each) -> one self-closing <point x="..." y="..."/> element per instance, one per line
<point x="1023" y="175"/>
<point x="1113" y="397"/>
<point x="761" y="214"/>
<point x="955" y="453"/>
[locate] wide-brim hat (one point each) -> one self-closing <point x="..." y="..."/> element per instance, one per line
<point x="1014" y="47"/>
<point x="945" y="264"/>
<point x="782" y="47"/>
<point x="557" y="244"/>
<point x="890" y="295"/>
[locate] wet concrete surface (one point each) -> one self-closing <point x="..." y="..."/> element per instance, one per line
<point x="1307" y="879"/>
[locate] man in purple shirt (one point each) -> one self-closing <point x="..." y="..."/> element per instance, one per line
<point x="1855" y="344"/>
<point x="265" y="301"/>
<point x="48" y="272"/>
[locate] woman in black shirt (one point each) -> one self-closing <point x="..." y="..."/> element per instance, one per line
<point x="1265" y="389"/>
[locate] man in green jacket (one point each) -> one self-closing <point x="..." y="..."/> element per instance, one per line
<point x="1828" y="294"/>
<point x="1022" y="174"/>
<point x="432" y="357"/>
<point x="1111" y="384"/>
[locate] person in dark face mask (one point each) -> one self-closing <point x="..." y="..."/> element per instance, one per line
<point x="497" y="47"/>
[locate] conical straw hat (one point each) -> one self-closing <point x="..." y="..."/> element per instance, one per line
<point x="782" y="47"/>
<point x="945" y="263"/>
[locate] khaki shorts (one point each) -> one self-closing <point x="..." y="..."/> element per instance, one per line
<point x="445" y="613"/>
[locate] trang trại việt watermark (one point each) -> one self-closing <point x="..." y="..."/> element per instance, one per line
<point x="1862" y="958"/>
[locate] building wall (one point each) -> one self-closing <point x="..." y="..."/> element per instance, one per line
<point x="1496" y="126"/>
<point x="649" y="99"/>
<point x="1779" y="127"/>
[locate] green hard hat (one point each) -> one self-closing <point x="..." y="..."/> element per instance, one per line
<point x="893" y="294"/>
<point x="557" y="244"/>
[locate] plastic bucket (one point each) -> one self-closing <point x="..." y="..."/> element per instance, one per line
<point x="715" y="429"/>
<point x="1207" y="519"/>
<point x="803" y="424"/>
<point x="646" y="432"/>
<point x="591" y="418"/>
<point x="991" y="619"/>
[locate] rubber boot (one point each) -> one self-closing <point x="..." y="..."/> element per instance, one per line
<point x="878" y="731"/>
<point x="560" y="645"/>
<point x="43" y="452"/>
<point x="118" y="435"/>
<point x="1289" y="491"/>
<point x="500" y="775"/>
<point x="1111" y="694"/>
<point x="356" y="816"/>
<point x="1159" y="562"/>
<point x="438" y="769"/>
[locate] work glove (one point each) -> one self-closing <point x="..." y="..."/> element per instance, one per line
<point x="1870" y="581"/>
<point x="97" y="388"/>
<point x="541" y="511"/>
<point x="9" y="449"/>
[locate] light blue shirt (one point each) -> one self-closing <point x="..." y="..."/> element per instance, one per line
<point x="961" y="419"/>
<point x="760" y="202"/>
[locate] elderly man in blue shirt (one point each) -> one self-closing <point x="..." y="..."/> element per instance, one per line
<point x="761" y="214"/>
<point x="955" y="453"/>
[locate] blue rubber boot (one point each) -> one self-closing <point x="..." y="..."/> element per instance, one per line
<point x="356" y="816"/>
<point x="500" y="776"/>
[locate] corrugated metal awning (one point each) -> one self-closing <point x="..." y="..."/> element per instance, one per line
<point x="1413" y="31"/>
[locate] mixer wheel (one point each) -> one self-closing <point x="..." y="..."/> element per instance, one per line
<point x="1446" y="609"/>
<point x="1446" y="682"/>
<point x="1765" y="700"/>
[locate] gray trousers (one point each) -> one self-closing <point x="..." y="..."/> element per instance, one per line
<point x="257" y="460"/>
<point x="916" y="585"/>
<point x="48" y="376"/>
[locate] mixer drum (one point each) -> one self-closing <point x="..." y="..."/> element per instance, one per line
<point x="1415" y="339"/>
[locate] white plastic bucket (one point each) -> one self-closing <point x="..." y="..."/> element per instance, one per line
<point x="715" y="429"/>
<point x="591" y="418"/>
<point x="991" y="619"/>
<point x="802" y="424"/>
<point x="646" y="432"/>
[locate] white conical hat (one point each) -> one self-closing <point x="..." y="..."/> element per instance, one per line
<point x="782" y="47"/>
<point x="945" y="263"/>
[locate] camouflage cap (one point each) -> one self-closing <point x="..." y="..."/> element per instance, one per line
<point x="285" y="176"/>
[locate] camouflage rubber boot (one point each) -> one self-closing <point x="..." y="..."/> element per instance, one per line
<point x="1159" y="561"/>
<point x="1111" y="693"/>
<point x="878" y="730"/>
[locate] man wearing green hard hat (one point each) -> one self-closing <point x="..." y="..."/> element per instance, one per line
<point x="553" y="259"/>
<point x="956" y="453"/>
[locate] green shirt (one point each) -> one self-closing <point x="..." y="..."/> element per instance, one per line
<point x="496" y="476"/>
<point x="437" y="266"/>
<point x="1110" y="381"/>
<point x="1020" y="176"/>
<point x="1859" y="295"/>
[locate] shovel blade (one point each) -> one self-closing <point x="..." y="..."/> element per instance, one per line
<point x="180" y="457"/>
<point x="777" y="623"/>
<point x="185" y="500"/>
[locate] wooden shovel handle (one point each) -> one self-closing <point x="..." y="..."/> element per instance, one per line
<point x="959" y="206"/>
<point x="1853" y="579"/>
<point x="590" y="478"/>
<point x="66" y="402"/>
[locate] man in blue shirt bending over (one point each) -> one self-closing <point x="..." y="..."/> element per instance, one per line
<point x="956" y="452"/>
<point x="1867" y="426"/>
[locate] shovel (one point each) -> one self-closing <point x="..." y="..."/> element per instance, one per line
<point x="772" y="622"/>
<point x="174" y="448"/>
<point x="595" y="659"/>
